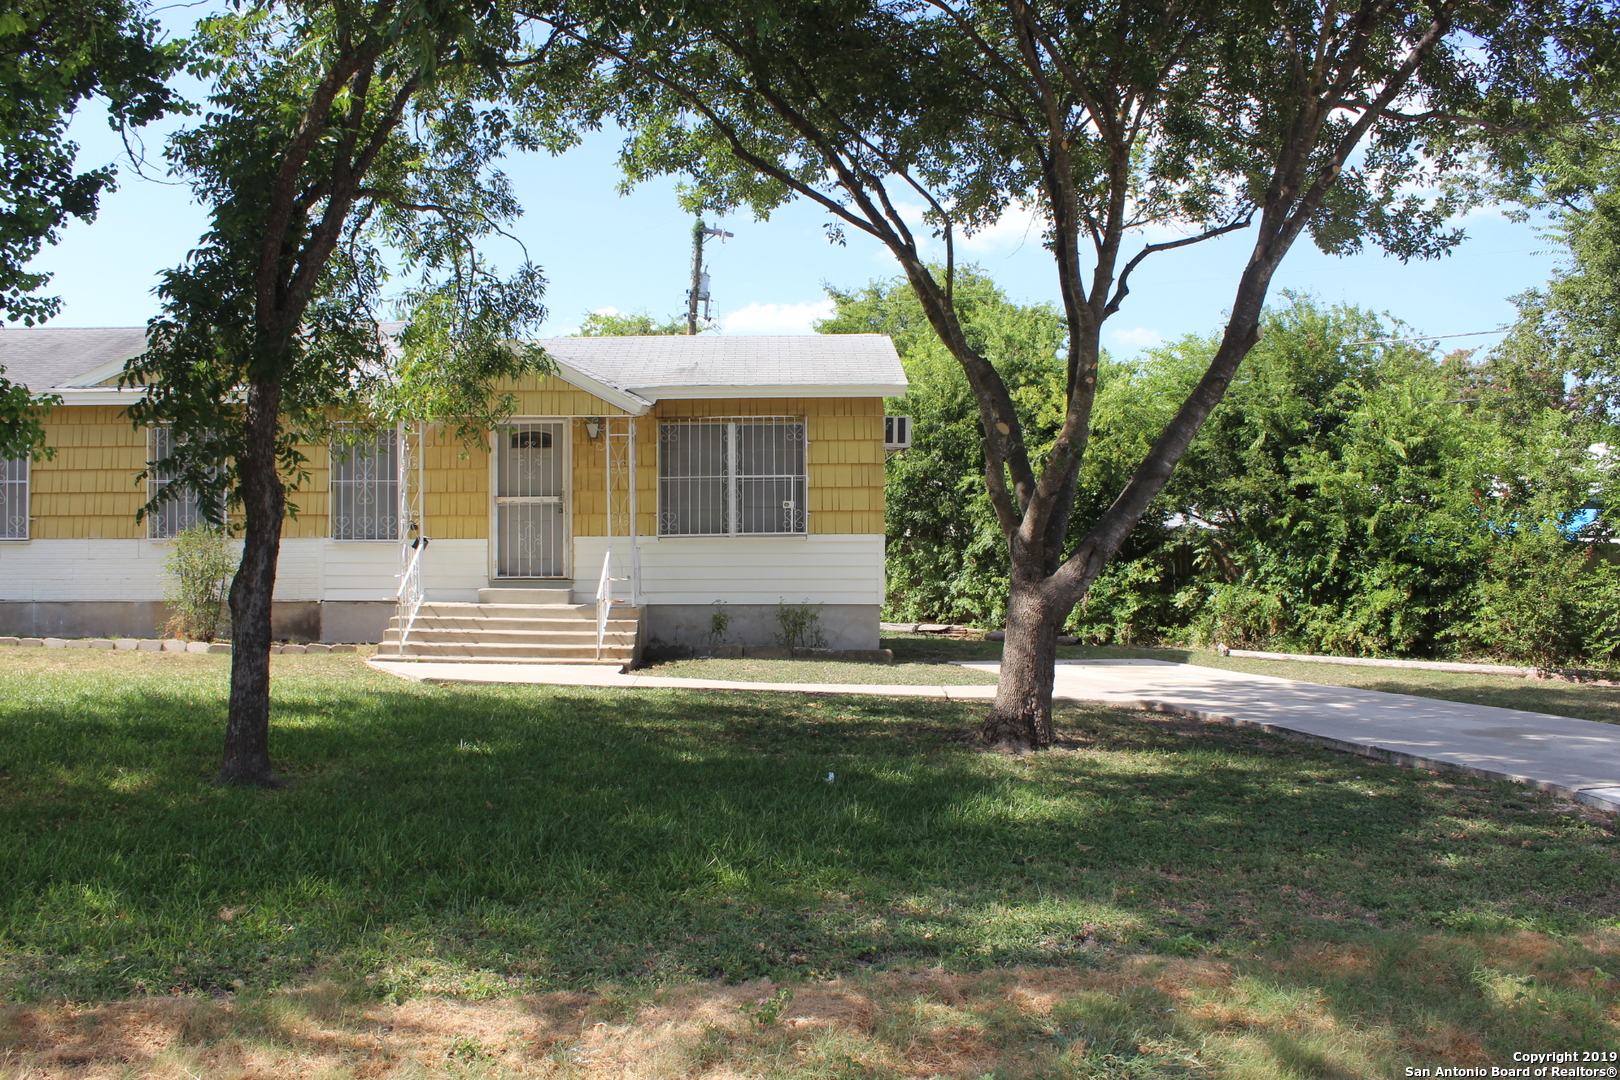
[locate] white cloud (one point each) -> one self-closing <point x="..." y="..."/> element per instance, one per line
<point x="1137" y="337"/>
<point x="776" y="318"/>
<point x="1018" y="225"/>
<point x="609" y="310"/>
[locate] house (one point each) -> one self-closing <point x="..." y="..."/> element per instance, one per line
<point x="711" y="474"/>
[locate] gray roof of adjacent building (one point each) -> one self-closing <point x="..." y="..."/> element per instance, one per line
<point x="652" y="367"/>
<point x="661" y="366"/>
<point x="49" y="357"/>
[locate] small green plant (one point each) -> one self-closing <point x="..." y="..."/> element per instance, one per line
<point x="767" y="1013"/>
<point x="719" y="624"/>
<point x="468" y="1048"/>
<point x="202" y="560"/>
<point x="799" y="626"/>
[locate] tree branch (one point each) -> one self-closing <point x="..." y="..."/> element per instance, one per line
<point x="1123" y="289"/>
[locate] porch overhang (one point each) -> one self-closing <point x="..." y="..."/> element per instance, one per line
<point x="632" y="404"/>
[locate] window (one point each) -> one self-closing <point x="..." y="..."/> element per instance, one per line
<point x="14" y="498"/>
<point x="176" y="514"/>
<point x="733" y="477"/>
<point x="365" y="487"/>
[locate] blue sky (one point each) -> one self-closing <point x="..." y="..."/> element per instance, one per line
<point x="632" y="253"/>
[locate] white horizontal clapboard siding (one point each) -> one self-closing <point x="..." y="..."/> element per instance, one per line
<point x="299" y="569"/>
<point x="324" y="569"/>
<point x="83" y="569"/>
<point x="452" y="571"/>
<point x="361" y="569"/>
<point x="820" y="569"/>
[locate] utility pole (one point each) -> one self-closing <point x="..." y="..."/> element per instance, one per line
<point x="700" y="280"/>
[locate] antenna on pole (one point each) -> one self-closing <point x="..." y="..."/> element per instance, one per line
<point x="700" y="280"/>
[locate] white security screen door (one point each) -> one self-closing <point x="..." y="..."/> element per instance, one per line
<point x="531" y="500"/>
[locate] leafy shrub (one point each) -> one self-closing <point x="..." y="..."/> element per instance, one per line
<point x="1534" y="604"/>
<point x="202" y="560"/>
<point x="719" y="626"/>
<point x="799" y="626"/>
<point x="1241" y="617"/>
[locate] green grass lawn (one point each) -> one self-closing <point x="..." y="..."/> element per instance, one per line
<point x="925" y="659"/>
<point x="486" y="841"/>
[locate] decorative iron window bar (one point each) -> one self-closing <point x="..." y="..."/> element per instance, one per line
<point x="14" y="498"/>
<point x="365" y="485"/>
<point x="732" y="476"/>
<point x="179" y="512"/>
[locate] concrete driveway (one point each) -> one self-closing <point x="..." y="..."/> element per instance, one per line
<point x="1577" y="759"/>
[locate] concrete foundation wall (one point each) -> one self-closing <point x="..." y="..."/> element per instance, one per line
<point x="355" y="620"/>
<point x="83" y="618"/>
<point x="845" y="626"/>
<point x="290" y="620"/>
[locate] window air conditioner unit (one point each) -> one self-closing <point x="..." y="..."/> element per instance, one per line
<point x="897" y="433"/>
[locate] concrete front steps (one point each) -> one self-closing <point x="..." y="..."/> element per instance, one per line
<point x="515" y="626"/>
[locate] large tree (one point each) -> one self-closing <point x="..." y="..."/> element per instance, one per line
<point x="344" y="137"/>
<point x="1565" y="347"/>
<point x="54" y="56"/>
<point x="1196" y="120"/>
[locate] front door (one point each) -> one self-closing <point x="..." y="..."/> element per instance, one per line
<point x="531" y="500"/>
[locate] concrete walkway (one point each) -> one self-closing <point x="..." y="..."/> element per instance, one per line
<point x="1577" y="759"/>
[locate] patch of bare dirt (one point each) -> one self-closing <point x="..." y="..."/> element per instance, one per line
<point x="926" y="1023"/>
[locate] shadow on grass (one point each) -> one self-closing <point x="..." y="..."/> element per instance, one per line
<point x="482" y="840"/>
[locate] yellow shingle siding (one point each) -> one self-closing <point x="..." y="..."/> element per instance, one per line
<point x="458" y="477"/>
<point x="846" y="455"/>
<point x="90" y="490"/>
<point x="309" y="490"/>
<point x="455" y="487"/>
<point x="552" y="396"/>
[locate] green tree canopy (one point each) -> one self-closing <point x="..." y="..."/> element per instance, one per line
<point x="344" y="137"/>
<point x="54" y="56"/>
<point x="1282" y="121"/>
<point x="637" y="324"/>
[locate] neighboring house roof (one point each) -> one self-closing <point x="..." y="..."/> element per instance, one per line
<point x="630" y="371"/>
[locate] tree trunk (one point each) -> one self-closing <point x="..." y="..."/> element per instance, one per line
<point x="264" y="503"/>
<point x="1021" y="718"/>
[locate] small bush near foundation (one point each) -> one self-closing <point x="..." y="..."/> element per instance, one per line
<point x="719" y="626"/>
<point x="799" y="626"/>
<point x="201" y="563"/>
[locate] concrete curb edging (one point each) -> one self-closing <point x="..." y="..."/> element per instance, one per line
<point x="215" y="648"/>
<point x="1370" y="661"/>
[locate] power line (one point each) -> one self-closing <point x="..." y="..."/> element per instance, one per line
<point x="1427" y="337"/>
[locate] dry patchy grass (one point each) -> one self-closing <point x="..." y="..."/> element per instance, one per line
<point x="1335" y="1010"/>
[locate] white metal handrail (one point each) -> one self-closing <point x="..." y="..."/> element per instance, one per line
<point x="604" y="599"/>
<point x="410" y="590"/>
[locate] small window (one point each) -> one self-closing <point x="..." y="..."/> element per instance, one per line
<point x="179" y="512"/>
<point x="896" y="432"/>
<point x="531" y="439"/>
<point x="741" y="477"/>
<point x="365" y="487"/>
<point x="14" y="498"/>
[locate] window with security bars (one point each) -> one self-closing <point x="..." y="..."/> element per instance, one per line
<point x="365" y="486"/>
<point x="14" y="498"/>
<point x="178" y="513"/>
<point x="732" y="477"/>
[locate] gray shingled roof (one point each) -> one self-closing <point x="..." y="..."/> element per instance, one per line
<point x="644" y="363"/>
<point x="48" y="357"/>
<point x="44" y="357"/>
